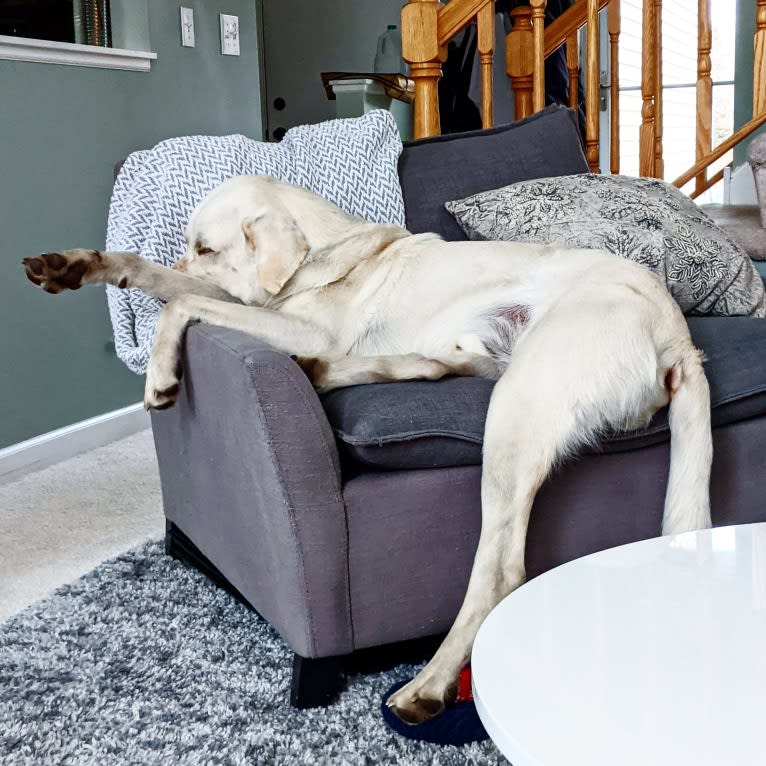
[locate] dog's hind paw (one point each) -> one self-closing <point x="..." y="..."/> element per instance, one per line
<point x="314" y="368"/>
<point x="414" y="703"/>
<point x="55" y="272"/>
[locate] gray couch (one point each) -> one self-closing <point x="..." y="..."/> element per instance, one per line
<point x="351" y="522"/>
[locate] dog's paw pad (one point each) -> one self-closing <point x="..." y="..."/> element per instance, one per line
<point x="55" y="272"/>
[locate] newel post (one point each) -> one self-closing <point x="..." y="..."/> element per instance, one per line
<point x="421" y="50"/>
<point x="520" y="60"/>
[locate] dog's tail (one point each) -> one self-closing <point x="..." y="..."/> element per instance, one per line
<point x="687" y="502"/>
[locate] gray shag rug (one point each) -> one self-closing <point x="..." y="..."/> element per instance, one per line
<point x="144" y="661"/>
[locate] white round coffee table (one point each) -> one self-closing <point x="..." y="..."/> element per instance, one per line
<point x="650" y="654"/>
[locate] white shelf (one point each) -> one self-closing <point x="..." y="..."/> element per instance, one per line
<point x="72" y="54"/>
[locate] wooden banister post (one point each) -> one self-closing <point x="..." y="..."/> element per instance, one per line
<point x="659" y="162"/>
<point x="519" y="60"/>
<point x="421" y="50"/>
<point x="485" y="28"/>
<point x="592" y="89"/>
<point x="573" y="69"/>
<point x="704" y="88"/>
<point x="614" y="22"/>
<point x="648" y="71"/>
<point x="538" y="41"/>
<point x="759" y="60"/>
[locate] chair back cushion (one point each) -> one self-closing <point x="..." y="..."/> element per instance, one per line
<point x="436" y="170"/>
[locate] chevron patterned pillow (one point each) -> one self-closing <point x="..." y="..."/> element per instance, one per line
<point x="352" y="162"/>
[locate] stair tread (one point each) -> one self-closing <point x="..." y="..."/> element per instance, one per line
<point x="743" y="223"/>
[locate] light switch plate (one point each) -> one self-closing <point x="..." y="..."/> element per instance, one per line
<point x="229" y="35"/>
<point x="187" y="27"/>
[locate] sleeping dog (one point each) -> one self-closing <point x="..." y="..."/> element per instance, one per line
<point x="579" y="341"/>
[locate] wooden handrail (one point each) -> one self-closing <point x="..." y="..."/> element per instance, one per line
<point x="740" y="135"/>
<point x="575" y="17"/>
<point x="457" y="15"/>
<point x="708" y="183"/>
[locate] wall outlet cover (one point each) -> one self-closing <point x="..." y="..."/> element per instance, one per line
<point x="229" y="35"/>
<point x="187" y="27"/>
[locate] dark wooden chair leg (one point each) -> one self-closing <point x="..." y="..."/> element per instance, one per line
<point x="316" y="682"/>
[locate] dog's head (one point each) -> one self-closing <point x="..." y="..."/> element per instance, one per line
<point x="244" y="239"/>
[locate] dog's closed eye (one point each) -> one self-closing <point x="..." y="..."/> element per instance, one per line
<point x="201" y="248"/>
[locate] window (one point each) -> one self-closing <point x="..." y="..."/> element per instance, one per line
<point x="679" y="50"/>
<point x="67" y="21"/>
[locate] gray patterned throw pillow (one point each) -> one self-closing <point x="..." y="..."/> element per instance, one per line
<point x="644" y="219"/>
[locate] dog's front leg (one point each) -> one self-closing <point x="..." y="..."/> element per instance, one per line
<point x="71" y="269"/>
<point x="287" y="333"/>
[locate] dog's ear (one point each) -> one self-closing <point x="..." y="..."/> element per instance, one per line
<point x="278" y="246"/>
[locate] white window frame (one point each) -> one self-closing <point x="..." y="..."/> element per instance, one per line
<point x="74" y="54"/>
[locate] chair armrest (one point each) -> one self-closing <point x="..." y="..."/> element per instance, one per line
<point x="250" y="473"/>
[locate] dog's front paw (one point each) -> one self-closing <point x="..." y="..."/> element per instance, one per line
<point x="55" y="272"/>
<point x="421" y="700"/>
<point x="162" y="386"/>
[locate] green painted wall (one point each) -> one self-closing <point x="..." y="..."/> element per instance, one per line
<point x="62" y="129"/>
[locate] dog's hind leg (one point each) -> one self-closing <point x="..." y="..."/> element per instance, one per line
<point x="526" y="432"/>
<point x="327" y="374"/>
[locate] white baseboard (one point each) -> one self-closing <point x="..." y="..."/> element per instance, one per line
<point x="63" y="443"/>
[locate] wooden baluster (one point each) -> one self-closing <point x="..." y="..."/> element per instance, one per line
<point x="592" y="89"/>
<point x="648" y="71"/>
<point x="485" y="23"/>
<point x="659" y="162"/>
<point x="573" y="68"/>
<point x="759" y="60"/>
<point x="421" y="50"/>
<point x="538" y="37"/>
<point x="519" y="60"/>
<point x="614" y="23"/>
<point x="704" y="88"/>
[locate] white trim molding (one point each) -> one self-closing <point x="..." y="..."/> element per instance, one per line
<point x="73" y="54"/>
<point x="70" y="441"/>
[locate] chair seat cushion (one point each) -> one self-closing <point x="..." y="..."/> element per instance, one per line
<point x="420" y="424"/>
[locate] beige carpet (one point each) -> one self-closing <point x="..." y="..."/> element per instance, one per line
<point x="58" y="523"/>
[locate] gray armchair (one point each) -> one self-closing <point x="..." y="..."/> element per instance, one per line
<point x="351" y="522"/>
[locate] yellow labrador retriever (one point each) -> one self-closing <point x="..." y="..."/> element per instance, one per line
<point x="579" y="341"/>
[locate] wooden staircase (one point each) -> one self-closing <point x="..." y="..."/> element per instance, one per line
<point x="427" y="27"/>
